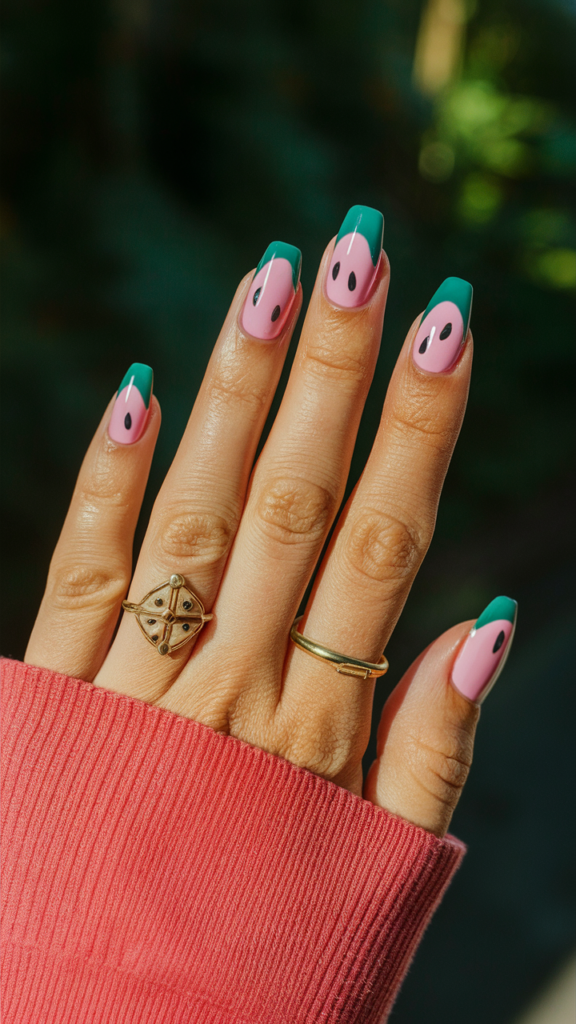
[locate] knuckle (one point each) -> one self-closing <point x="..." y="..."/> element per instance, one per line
<point x="202" y="538"/>
<point x="337" y="363"/>
<point x="385" y="548"/>
<point x="319" y="741"/>
<point x="74" y="587"/>
<point x="318" y="754"/>
<point x="425" y="423"/>
<point x="294" y="510"/>
<point x="102" y="484"/>
<point x="229" y="387"/>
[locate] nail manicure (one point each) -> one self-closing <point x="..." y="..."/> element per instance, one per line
<point x="272" y="291"/>
<point x="354" y="263"/>
<point x="444" y="326"/>
<point x="484" y="652"/>
<point x="132" y="404"/>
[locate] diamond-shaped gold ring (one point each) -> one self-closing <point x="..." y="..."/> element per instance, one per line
<point x="170" y="615"/>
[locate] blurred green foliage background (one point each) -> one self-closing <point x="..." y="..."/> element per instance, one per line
<point x="152" y="149"/>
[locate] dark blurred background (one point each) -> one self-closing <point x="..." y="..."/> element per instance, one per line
<point x="152" y="149"/>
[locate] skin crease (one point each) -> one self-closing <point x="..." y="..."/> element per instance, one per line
<point x="425" y="739"/>
<point x="234" y="536"/>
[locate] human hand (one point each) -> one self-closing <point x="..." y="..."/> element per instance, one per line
<point x="247" y="540"/>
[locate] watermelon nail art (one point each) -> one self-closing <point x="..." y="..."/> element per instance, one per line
<point x="354" y="263"/>
<point x="483" y="655"/>
<point x="444" y="326"/>
<point x="132" y="404"/>
<point x="272" y="291"/>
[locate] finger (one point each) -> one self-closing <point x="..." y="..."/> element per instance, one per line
<point x="386" y="528"/>
<point x="197" y="511"/>
<point x="91" y="566"/>
<point x="299" y="481"/>
<point x="426" y="733"/>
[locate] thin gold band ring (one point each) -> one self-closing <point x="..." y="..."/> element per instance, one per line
<point x="343" y="664"/>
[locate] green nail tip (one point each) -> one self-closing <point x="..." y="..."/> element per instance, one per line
<point x="143" y="379"/>
<point x="367" y="222"/>
<point x="455" y="290"/>
<point x="499" y="608"/>
<point x="283" y="251"/>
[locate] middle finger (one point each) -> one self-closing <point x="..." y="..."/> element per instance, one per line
<point x="299" y="481"/>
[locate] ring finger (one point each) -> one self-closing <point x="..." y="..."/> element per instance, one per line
<point x="387" y="526"/>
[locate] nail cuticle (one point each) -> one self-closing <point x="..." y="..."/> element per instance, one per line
<point x="446" y="372"/>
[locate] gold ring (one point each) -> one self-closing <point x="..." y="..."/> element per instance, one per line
<point x="170" y="615"/>
<point x="342" y="663"/>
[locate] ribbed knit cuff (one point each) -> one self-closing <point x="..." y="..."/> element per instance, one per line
<point x="156" y="871"/>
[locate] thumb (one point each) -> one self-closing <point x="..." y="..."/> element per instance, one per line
<point x="426" y="733"/>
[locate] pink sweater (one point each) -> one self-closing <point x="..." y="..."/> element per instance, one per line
<point x="157" y="872"/>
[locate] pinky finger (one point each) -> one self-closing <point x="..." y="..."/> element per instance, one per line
<point x="91" y="567"/>
<point x="426" y="733"/>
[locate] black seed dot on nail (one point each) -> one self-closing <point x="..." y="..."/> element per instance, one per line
<point x="185" y="626"/>
<point x="158" y="601"/>
<point x="154" y="639"/>
<point x="499" y="642"/>
<point x="352" y="282"/>
<point x="424" y="345"/>
<point x="256" y="296"/>
<point x="275" y="313"/>
<point x="127" y="421"/>
<point x="335" y="271"/>
<point x="151" y="622"/>
<point x="446" y="332"/>
<point x="187" y="605"/>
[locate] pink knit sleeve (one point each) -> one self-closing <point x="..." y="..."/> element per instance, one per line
<point x="157" y="872"/>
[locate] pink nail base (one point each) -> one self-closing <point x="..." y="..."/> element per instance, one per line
<point x="129" y="408"/>
<point x="478" y="665"/>
<point x="269" y="300"/>
<point x="351" y="265"/>
<point x="431" y="351"/>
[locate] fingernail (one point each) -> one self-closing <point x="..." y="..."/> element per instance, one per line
<point x="352" y="271"/>
<point x="132" y="403"/>
<point x="444" y="326"/>
<point x="484" y="652"/>
<point x="272" y="291"/>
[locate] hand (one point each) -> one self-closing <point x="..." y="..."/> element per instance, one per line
<point x="247" y="540"/>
